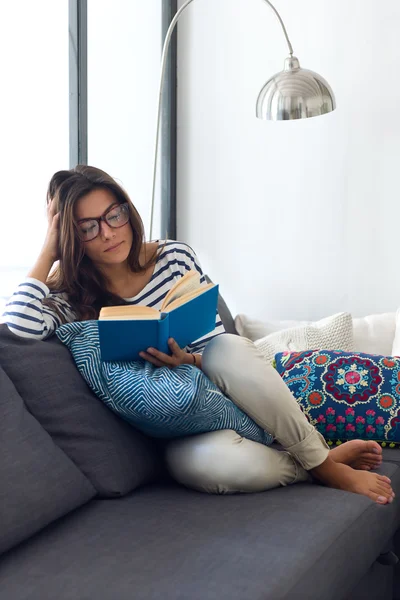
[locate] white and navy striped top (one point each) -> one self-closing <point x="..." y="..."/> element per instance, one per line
<point x="27" y="316"/>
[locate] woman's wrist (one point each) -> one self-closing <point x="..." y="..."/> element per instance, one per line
<point x="42" y="267"/>
<point x="194" y="360"/>
<point x="197" y="360"/>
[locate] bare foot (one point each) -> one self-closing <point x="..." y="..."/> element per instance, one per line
<point x="343" y="477"/>
<point x="358" y="454"/>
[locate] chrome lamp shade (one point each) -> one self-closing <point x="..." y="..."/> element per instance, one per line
<point x="294" y="93"/>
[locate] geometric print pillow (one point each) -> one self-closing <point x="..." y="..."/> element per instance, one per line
<point x="346" y="395"/>
<point x="160" y="402"/>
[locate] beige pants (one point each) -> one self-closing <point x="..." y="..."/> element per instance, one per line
<point x="223" y="461"/>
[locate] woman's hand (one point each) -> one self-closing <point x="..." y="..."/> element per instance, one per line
<point x="50" y="249"/>
<point x="51" y="243"/>
<point x="160" y="359"/>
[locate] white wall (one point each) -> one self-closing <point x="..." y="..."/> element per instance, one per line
<point x="296" y="219"/>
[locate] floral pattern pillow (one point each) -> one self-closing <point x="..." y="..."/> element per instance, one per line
<point x="346" y="395"/>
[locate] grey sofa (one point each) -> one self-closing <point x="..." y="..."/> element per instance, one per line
<point x="88" y="511"/>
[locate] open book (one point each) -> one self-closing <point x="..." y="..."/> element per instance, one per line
<point x="187" y="313"/>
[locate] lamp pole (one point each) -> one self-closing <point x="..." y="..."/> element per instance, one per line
<point x="293" y="93"/>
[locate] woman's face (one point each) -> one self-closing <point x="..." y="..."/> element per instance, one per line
<point x="112" y="245"/>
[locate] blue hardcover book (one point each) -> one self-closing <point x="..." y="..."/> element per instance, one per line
<point x="123" y="335"/>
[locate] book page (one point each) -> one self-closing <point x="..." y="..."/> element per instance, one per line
<point x="188" y="296"/>
<point x="128" y="312"/>
<point x="186" y="285"/>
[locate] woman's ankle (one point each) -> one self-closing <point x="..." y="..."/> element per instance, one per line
<point x="329" y="472"/>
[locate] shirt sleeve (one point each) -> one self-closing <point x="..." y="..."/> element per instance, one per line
<point x="34" y="312"/>
<point x="197" y="347"/>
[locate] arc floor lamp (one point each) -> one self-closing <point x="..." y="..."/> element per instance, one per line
<point x="293" y="93"/>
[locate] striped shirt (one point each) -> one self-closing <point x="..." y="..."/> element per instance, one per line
<point x="27" y="316"/>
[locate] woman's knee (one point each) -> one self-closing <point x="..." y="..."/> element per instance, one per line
<point x="221" y="462"/>
<point x="224" y="351"/>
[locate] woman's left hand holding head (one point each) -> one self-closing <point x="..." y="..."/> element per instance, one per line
<point x="160" y="359"/>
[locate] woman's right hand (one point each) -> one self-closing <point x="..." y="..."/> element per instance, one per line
<point x="51" y="243"/>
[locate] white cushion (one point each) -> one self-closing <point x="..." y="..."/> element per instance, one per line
<point x="396" y="339"/>
<point x="374" y="334"/>
<point x="253" y="329"/>
<point x="332" y="333"/>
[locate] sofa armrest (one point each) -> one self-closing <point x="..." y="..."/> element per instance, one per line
<point x="224" y="313"/>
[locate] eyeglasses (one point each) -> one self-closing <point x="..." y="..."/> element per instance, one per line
<point x="116" y="216"/>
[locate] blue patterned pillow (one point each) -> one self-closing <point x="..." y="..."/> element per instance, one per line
<point x="161" y="402"/>
<point x="346" y="395"/>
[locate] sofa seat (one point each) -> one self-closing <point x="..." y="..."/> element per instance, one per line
<point x="303" y="542"/>
<point x="391" y="455"/>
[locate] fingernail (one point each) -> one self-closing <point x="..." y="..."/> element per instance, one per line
<point x="376" y="450"/>
<point x="381" y="499"/>
<point x="390" y="500"/>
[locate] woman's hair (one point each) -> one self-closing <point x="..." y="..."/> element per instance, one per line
<point x="76" y="275"/>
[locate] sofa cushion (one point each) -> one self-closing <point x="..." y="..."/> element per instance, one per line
<point x="396" y="339"/>
<point x="224" y="313"/>
<point x="255" y="329"/>
<point x="111" y="453"/>
<point x="392" y="455"/>
<point x="372" y="334"/>
<point x="39" y="483"/>
<point x="332" y="333"/>
<point x="302" y="542"/>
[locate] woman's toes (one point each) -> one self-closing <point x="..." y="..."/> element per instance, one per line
<point x="370" y="457"/>
<point x="383" y="491"/>
<point x="386" y="486"/>
<point x="373" y="447"/>
<point x="371" y="463"/>
<point x="377" y="498"/>
<point x="384" y="478"/>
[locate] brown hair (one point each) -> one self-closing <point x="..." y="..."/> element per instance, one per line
<point x="76" y="275"/>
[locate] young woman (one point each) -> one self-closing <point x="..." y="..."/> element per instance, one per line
<point x="97" y="236"/>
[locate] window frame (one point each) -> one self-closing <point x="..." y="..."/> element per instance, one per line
<point x="78" y="106"/>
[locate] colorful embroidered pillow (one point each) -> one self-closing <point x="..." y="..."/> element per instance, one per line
<point x="346" y="395"/>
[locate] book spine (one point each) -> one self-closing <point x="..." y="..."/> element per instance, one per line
<point x="163" y="333"/>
